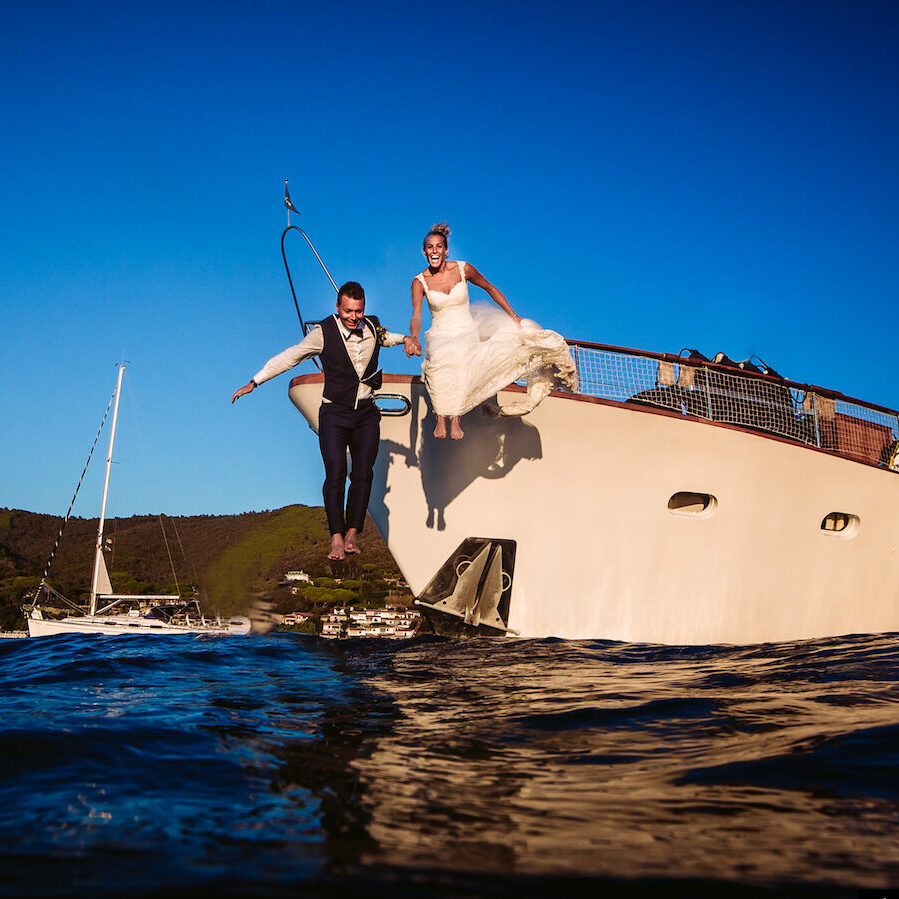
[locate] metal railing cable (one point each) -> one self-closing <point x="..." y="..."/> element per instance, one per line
<point x="65" y="519"/>
<point x="165" y="540"/>
<point x="190" y="562"/>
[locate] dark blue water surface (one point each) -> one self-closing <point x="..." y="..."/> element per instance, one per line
<point x="285" y="765"/>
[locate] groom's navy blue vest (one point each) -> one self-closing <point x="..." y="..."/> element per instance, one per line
<point x="341" y="380"/>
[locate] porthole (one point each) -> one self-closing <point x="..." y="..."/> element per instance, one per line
<point x="687" y="502"/>
<point x="840" y="524"/>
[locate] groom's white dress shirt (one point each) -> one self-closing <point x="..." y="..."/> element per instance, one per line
<point x="359" y="350"/>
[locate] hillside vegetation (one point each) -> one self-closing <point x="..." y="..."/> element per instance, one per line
<point x="232" y="559"/>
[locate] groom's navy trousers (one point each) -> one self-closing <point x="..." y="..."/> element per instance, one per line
<point x="342" y="428"/>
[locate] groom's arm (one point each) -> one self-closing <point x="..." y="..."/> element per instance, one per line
<point x="311" y="345"/>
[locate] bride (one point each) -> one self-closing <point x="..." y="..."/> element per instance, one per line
<point x="473" y="352"/>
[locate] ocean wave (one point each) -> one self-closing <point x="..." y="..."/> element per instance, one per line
<point x="259" y="766"/>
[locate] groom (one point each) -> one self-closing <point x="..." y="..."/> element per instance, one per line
<point x="347" y="344"/>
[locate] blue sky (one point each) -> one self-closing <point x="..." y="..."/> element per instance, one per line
<point x="720" y="175"/>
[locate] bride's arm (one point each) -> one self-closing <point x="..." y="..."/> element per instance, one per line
<point x="415" y="324"/>
<point x="473" y="275"/>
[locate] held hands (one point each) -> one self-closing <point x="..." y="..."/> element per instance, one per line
<point x="249" y="387"/>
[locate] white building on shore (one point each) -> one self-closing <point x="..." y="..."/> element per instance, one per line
<point x="297" y="577"/>
<point x="394" y="622"/>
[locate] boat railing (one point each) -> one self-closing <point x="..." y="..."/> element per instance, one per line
<point x="730" y="394"/>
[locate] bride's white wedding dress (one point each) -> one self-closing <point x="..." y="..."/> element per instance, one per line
<point x="474" y="351"/>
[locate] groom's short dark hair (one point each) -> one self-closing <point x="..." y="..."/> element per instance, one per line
<point x="352" y="290"/>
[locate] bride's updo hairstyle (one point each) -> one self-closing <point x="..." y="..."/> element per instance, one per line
<point x="441" y="230"/>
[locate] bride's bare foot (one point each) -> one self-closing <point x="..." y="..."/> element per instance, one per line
<point x="349" y="544"/>
<point x="338" y="552"/>
<point x="440" y="429"/>
<point x="456" y="432"/>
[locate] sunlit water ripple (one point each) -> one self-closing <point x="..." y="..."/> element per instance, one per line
<point x="286" y="765"/>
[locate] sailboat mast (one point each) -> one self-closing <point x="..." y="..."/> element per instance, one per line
<point x="98" y="555"/>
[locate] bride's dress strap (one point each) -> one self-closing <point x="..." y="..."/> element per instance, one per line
<point x="424" y="283"/>
<point x="461" y="270"/>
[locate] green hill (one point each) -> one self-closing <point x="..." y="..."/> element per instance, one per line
<point x="232" y="559"/>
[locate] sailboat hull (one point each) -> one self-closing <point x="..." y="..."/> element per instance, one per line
<point x="128" y="625"/>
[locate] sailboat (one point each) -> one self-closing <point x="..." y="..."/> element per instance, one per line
<point x="154" y="614"/>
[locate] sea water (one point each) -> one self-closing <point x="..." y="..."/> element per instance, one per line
<point x="287" y="765"/>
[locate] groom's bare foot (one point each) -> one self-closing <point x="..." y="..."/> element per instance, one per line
<point x="338" y="552"/>
<point x="350" y="547"/>
<point x="456" y="432"/>
<point x="440" y="430"/>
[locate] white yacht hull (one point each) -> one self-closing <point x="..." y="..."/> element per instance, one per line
<point x="582" y="486"/>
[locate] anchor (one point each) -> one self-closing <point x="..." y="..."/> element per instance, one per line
<point x="473" y="604"/>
